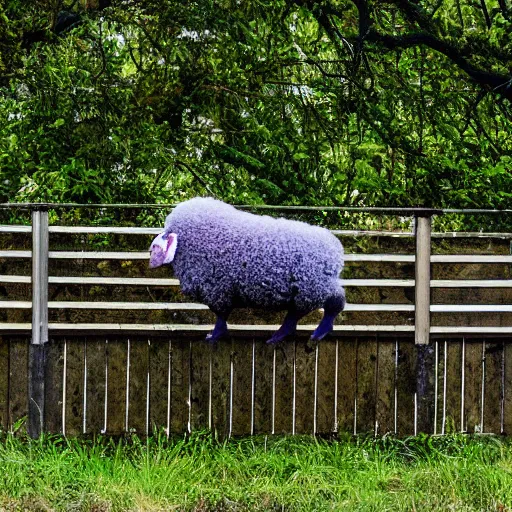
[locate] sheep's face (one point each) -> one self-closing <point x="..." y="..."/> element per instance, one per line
<point x="162" y="249"/>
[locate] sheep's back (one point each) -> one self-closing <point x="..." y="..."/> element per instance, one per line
<point x="257" y="260"/>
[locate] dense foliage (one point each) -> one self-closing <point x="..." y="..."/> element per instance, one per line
<point x="403" y="102"/>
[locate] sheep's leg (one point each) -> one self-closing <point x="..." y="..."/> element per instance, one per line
<point x="289" y="326"/>
<point x="221" y="327"/>
<point x="332" y="308"/>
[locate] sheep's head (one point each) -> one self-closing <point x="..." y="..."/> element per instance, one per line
<point x="162" y="249"/>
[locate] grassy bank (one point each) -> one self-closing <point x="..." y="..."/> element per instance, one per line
<point x="198" y="473"/>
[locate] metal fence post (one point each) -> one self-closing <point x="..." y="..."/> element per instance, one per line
<point x="37" y="351"/>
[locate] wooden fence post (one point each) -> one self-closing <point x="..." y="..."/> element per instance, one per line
<point x="422" y="281"/>
<point x="424" y="349"/>
<point x="37" y="351"/>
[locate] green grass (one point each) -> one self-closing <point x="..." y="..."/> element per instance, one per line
<point x="458" y="473"/>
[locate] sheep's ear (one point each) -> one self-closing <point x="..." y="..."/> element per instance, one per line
<point x="162" y="249"/>
<point x="172" y="245"/>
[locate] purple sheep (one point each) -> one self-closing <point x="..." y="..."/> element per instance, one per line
<point x="227" y="258"/>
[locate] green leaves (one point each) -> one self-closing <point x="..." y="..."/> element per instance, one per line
<point x="254" y="102"/>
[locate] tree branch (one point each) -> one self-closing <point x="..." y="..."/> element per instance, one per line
<point x="497" y="82"/>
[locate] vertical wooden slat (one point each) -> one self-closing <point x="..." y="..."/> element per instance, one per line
<point x="453" y="386"/>
<point x="180" y="375"/>
<point x="18" y="380"/>
<point x="305" y="387"/>
<point x="75" y="368"/>
<point x="441" y="397"/>
<point x="347" y="384"/>
<point x="473" y="387"/>
<point x="242" y="386"/>
<point x="366" y="384"/>
<point x="200" y="375"/>
<point x="284" y="387"/>
<point x="221" y="366"/>
<point x="507" y="405"/>
<point x="96" y="381"/>
<point x="406" y="387"/>
<point x="54" y="380"/>
<point x="263" y="388"/>
<point x="4" y="383"/>
<point x="326" y="420"/>
<point x="425" y="356"/>
<point x="139" y="367"/>
<point x="493" y="383"/>
<point x="385" y="407"/>
<point x="117" y="354"/>
<point x="158" y="379"/>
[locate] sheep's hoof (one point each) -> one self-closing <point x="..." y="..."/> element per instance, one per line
<point x="321" y="331"/>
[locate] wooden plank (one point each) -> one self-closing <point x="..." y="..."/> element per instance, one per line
<point x="159" y="359"/>
<point x="200" y="360"/>
<point x="75" y="372"/>
<point x="283" y="392"/>
<point x="453" y="363"/>
<point x="191" y="306"/>
<point x="305" y="361"/>
<point x="54" y="385"/>
<point x="138" y="386"/>
<point x="473" y="371"/>
<point x="347" y="384"/>
<point x="493" y="386"/>
<point x="242" y="386"/>
<point x="425" y="388"/>
<point x="260" y="328"/>
<point x="117" y="359"/>
<point x="4" y="383"/>
<point x="327" y="392"/>
<point x="348" y="330"/>
<point x="386" y="369"/>
<point x="507" y="398"/>
<point x="95" y="353"/>
<point x="18" y="381"/>
<point x="366" y="385"/>
<point x="440" y="409"/>
<point x="99" y="229"/>
<point x="406" y="387"/>
<point x="221" y="387"/>
<point x="102" y="281"/>
<point x="263" y="375"/>
<point x="180" y="378"/>
<point x="349" y="257"/>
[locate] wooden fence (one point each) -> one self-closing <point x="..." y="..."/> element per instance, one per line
<point x="113" y="384"/>
<point x="414" y="366"/>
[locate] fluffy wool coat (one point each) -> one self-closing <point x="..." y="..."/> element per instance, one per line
<point x="227" y="258"/>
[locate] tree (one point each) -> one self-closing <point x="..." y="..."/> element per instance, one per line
<point x="294" y="102"/>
